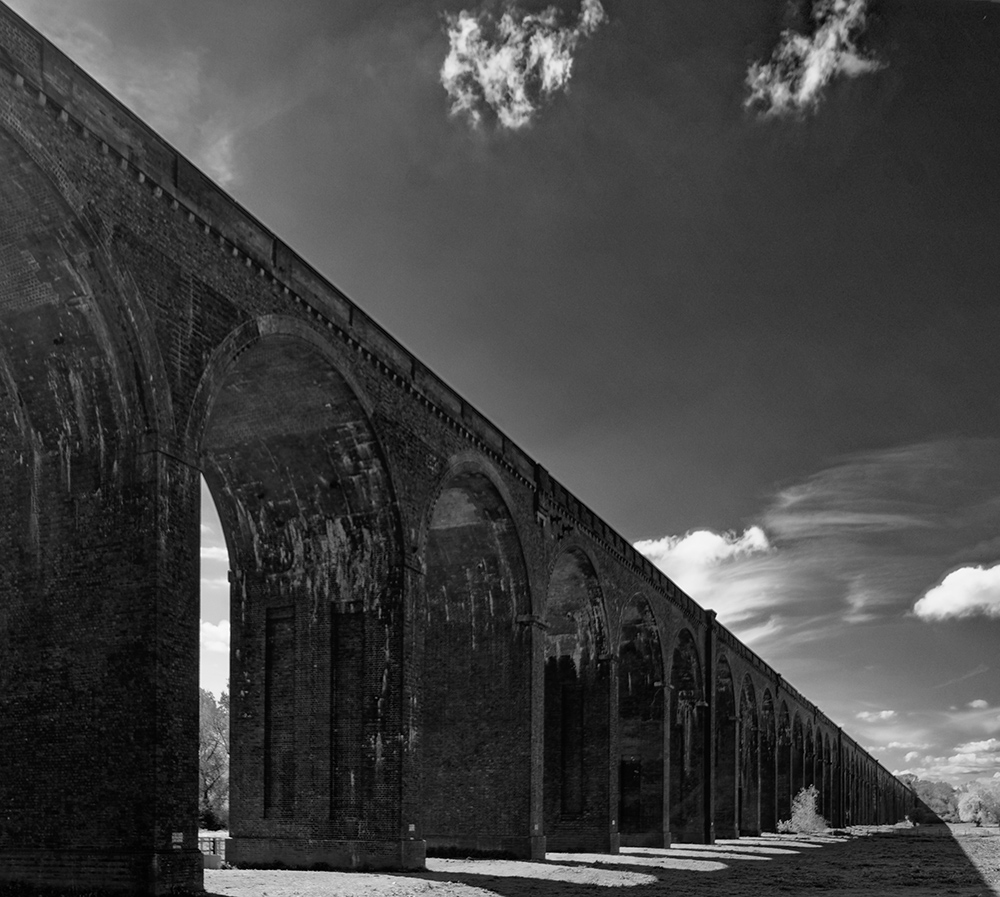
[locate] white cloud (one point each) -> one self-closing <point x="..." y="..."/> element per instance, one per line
<point x="966" y="592"/>
<point x="512" y="65"/>
<point x="792" y="80"/>
<point x="911" y="756"/>
<point x="706" y="565"/>
<point x="978" y="704"/>
<point x="871" y="716"/>
<point x="214" y="553"/>
<point x="215" y="636"/>
<point x="990" y="745"/>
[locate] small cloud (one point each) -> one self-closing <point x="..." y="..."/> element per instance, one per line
<point x="978" y="704"/>
<point x="802" y="64"/>
<point x="702" y="548"/>
<point x="872" y="716"/>
<point x="911" y="756"/>
<point x="215" y="636"/>
<point x="966" y="592"/>
<point x="510" y="66"/>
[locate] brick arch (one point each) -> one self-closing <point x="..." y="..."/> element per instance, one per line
<point x="686" y="735"/>
<point x="307" y="504"/>
<point x="75" y="240"/>
<point x="475" y="656"/>
<point x="809" y="757"/>
<point x="768" y="763"/>
<point x="726" y="750"/>
<point x="784" y="764"/>
<point x="641" y="712"/>
<point x="749" y="772"/>
<point x="798" y="755"/>
<point x="829" y="777"/>
<point x="578" y="801"/>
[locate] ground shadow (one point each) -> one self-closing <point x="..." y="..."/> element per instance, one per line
<point x="887" y="862"/>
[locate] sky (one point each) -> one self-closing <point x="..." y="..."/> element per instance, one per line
<point x="729" y="271"/>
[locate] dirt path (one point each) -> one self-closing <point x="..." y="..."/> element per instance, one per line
<point x="929" y="861"/>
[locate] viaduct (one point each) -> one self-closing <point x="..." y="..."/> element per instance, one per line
<point x="434" y="645"/>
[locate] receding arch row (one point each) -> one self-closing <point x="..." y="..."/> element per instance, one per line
<point x="421" y="616"/>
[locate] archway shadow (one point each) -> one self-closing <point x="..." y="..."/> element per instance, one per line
<point x="886" y="861"/>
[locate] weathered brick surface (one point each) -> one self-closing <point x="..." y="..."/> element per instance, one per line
<point x="434" y="643"/>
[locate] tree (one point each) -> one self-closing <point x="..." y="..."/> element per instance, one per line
<point x="936" y="801"/>
<point x="980" y="803"/>
<point x="213" y="761"/>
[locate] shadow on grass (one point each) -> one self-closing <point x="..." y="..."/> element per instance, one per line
<point x="917" y="862"/>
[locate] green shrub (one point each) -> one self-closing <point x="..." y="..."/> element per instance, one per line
<point x="804" y="819"/>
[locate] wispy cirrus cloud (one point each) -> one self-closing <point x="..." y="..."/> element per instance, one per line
<point x="853" y="544"/>
<point x="807" y="59"/>
<point x="872" y="716"/>
<point x="166" y="88"/>
<point x="506" y="68"/>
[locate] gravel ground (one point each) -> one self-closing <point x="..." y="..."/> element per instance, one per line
<point x="927" y="861"/>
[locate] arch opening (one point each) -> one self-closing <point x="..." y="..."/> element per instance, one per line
<point x="726" y="753"/>
<point x="798" y="756"/>
<point x="475" y="741"/>
<point x="687" y="742"/>
<point x="641" y="716"/>
<point x="783" y="766"/>
<point x="768" y="765"/>
<point x="829" y="776"/>
<point x="578" y="710"/>
<point x="749" y="762"/>
<point x="310" y="522"/>
<point x="213" y="670"/>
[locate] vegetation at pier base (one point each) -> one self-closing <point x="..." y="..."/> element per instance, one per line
<point x="805" y="817"/>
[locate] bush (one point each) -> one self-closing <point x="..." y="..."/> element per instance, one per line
<point x="804" y="819"/>
<point x="980" y="804"/>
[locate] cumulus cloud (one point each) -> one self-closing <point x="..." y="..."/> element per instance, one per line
<point x="874" y="716"/>
<point x="507" y="67"/>
<point x="215" y="636"/>
<point x="696" y="562"/>
<point x="214" y="553"/>
<point x="978" y="704"/>
<point x="966" y="592"/>
<point x="802" y="64"/>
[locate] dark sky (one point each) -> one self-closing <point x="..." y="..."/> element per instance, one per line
<point x="697" y="316"/>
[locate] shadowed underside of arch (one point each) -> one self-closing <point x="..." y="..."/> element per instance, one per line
<point x="578" y="710"/>
<point x="749" y="814"/>
<point x="475" y="736"/>
<point x="304" y="496"/>
<point x="687" y="742"/>
<point x="641" y="714"/>
<point x="726" y="753"/>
